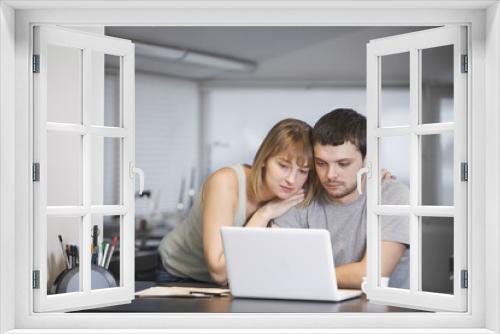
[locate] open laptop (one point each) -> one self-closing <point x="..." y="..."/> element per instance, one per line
<point x="281" y="263"/>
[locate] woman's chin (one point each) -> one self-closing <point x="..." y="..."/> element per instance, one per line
<point x="285" y="195"/>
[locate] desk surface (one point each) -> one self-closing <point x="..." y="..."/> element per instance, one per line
<point x="229" y="304"/>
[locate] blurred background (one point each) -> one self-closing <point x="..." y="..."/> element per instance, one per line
<point x="206" y="97"/>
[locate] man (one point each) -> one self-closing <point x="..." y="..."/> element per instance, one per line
<point x="339" y="140"/>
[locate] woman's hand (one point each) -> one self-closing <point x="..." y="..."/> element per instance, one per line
<point x="278" y="207"/>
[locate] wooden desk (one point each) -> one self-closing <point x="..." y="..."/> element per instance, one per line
<point x="242" y="305"/>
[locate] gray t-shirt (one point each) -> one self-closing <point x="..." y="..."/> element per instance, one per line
<point x="347" y="226"/>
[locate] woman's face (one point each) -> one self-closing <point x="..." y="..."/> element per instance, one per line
<point x="283" y="176"/>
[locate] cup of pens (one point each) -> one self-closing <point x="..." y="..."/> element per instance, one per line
<point x="101" y="254"/>
<point x="69" y="279"/>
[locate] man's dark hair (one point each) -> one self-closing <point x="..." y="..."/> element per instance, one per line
<point x="341" y="125"/>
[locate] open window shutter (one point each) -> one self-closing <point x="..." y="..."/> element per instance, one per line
<point x="429" y="134"/>
<point x="77" y="137"/>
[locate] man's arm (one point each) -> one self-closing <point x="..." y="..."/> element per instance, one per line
<point x="349" y="276"/>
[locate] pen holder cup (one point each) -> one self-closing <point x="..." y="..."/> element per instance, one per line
<point x="69" y="280"/>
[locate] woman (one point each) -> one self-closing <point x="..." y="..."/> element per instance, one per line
<point x="240" y="195"/>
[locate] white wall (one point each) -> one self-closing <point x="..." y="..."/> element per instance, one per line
<point x="167" y="136"/>
<point x="239" y="118"/>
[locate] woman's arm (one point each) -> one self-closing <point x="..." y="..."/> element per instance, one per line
<point x="220" y="198"/>
<point x="274" y="209"/>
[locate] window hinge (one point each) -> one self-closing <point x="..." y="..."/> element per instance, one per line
<point x="465" y="64"/>
<point x="464" y="171"/>
<point x="36" y="279"/>
<point x="36" y="172"/>
<point x="464" y="279"/>
<point x="36" y="63"/>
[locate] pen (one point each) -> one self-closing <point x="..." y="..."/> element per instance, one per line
<point x="73" y="255"/>
<point x="105" y="248"/>
<point x="95" y="247"/>
<point x="207" y="294"/>
<point x="77" y="256"/>
<point x="94" y="254"/>
<point x="114" y="241"/>
<point x="68" y="256"/>
<point x="63" y="252"/>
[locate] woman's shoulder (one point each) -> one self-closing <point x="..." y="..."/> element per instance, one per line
<point x="221" y="184"/>
<point x="223" y="177"/>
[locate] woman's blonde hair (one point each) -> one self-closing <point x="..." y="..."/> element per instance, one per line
<point x="292" y="137"/>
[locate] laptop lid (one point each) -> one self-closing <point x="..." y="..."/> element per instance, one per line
<point x="281" y="263"/>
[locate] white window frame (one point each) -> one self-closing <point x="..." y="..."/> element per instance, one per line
<point x="483" y="122"/>
<point x="87" y="43"/>
<point x="413" y="44"/>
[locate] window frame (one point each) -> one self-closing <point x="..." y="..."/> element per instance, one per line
<point x="414" y="44"/>
<point x="89" y="131"/>
<point x="482" y="312"/>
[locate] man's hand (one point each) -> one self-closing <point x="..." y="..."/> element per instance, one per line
<point x="349" y="276"/>
<point x="390" y="252"/>
<point x="386" y="175"/>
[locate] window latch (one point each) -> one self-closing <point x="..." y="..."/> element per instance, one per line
<point x="134" y="170"/>
<point x="359" y="176"/>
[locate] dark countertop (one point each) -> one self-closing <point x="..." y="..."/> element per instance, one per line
<point x="228" y="304"/>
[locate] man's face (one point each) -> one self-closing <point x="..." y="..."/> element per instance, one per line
<point x="336" y="167"/>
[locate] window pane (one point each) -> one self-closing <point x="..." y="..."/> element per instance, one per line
<point x="64" y="84"/>
<point x="106" y="110"/>
<point x="394" y="157"/>
<point x="64" y="169"/>
<point x="106" y="256"/>
<point x="112" y="91"/>
<point x="395" y="90"/>
<point x="437" y="169"/>
<point x="107" y="153"/>
<point x="437" y="85"/>
<point x="437" y="254"/>
<point x="63" y="257"/>
<point x="394" y="229"/>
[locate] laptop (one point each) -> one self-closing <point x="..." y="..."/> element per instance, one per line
<point x="282" y="263"/>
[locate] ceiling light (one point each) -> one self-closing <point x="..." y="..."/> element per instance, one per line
<point x="193" y="57"/>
